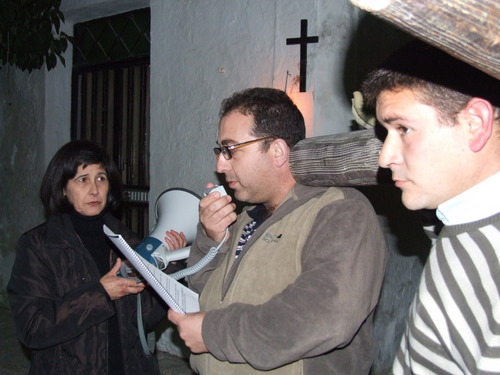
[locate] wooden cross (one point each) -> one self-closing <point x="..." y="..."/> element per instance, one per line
<point x="304" y="40"/>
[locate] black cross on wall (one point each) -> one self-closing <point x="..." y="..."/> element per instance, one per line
<point x="304" y="40"/>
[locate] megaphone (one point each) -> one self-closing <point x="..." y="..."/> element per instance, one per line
<point x="176" y="209"/>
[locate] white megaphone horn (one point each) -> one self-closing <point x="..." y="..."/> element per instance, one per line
<point x="176" y="209"/>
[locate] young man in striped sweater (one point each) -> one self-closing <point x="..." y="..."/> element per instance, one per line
<point x="442" y="119"/>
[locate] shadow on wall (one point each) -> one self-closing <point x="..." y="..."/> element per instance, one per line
<point x="408" y="247"/>
<point x="372" y="42"/>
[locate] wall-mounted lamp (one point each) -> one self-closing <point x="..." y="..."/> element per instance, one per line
<point x="305" y="102"/>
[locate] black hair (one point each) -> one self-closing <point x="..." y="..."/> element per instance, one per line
<point x="274" y="113"/>
<point x="64" y="166"/>
<point x="437" y="78"/>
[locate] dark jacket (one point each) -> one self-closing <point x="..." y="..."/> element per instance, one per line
<point x="61" y="310"/>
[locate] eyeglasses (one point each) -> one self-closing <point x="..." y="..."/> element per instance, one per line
<point x="226" y="150"/>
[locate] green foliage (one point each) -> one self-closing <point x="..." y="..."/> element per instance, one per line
<point x="30" y="33"/>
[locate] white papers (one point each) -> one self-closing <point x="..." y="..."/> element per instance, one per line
<point x="177" y="296"/>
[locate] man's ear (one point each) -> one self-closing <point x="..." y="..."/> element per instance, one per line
<point x="281" y="152"/>
<point x="479" y="116"/>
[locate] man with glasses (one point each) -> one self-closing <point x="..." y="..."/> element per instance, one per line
<point x="295" y="284"/>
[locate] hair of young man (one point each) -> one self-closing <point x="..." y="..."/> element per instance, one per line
<point x="436" y="78"/>
<point x="64" y="166"/>
<point x="274" y="114"/>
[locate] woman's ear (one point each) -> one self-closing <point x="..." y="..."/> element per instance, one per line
<point x="281" y="152"/>
<point x="479" y="116"/>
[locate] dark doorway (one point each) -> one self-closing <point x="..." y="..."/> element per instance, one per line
<point x="110" y="101"/>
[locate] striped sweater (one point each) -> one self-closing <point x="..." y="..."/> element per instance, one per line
<point x="454" y="320"/>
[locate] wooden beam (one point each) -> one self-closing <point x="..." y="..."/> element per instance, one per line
<point x="349" y="159"/>
<point x="466" y="29"/>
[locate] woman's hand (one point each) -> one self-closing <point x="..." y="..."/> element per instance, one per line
<point x="175" y="240"/>
<point x="116" y="286"/>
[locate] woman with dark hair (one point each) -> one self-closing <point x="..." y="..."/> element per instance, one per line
<point x="69" y="305"/>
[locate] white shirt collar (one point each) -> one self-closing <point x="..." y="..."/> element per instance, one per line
<point x="477" y="203"/>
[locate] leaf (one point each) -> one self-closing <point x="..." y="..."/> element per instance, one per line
<point x="64" y="44"/>
<point x="51" y="61"/>
<point x="57" y="24"/>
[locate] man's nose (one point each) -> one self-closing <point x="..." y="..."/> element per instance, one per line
<point x="221" y="164"/>
<point x="390" y="153"/>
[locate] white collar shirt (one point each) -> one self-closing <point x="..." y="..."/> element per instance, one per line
<point x="479" y="202"/>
